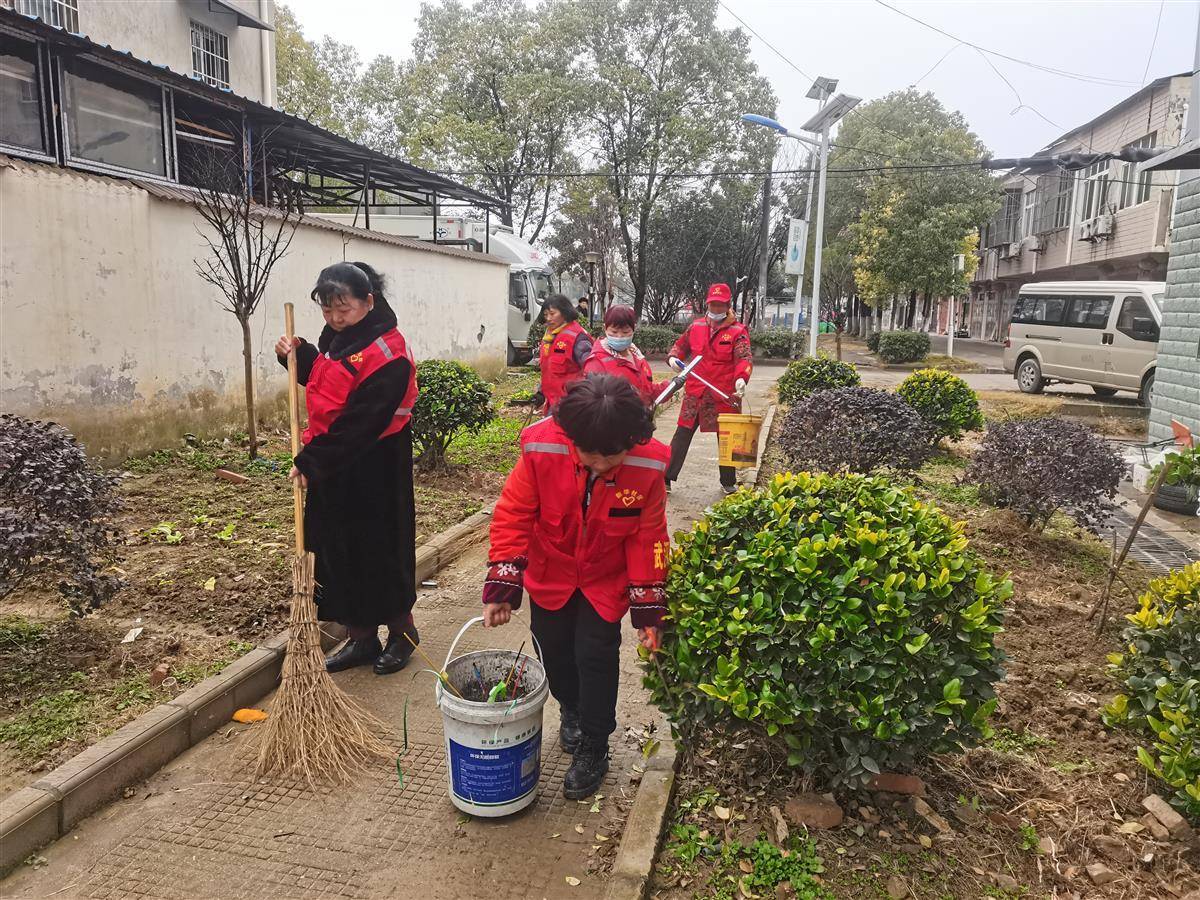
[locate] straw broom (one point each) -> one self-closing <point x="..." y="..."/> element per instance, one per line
<point x="314" y="729"/>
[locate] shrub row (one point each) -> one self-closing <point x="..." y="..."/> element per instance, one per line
<point x="902" y="346"/>
<point x="812" y="374"/>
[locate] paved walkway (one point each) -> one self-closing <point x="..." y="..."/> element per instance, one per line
<point x="203" y="828"/>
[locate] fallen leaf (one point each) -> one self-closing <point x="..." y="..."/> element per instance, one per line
<point x="211" y="584"/>
<point x="249" y="716"/>
<point x="722" y="813"/>
<point x="579" y="829"/>
<point x="746" y="866"/>
<point x="595" y="807"/>
<point x="573" y="881"/>
<point x="925" y="840"/>
<point x="601" y="837"/>
<point x="1131" y="828"/>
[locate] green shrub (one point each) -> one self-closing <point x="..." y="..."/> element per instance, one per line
<point x="854" y="429"/>
<point x="451" y="399"/>
<point x="837" y="615"/>
<point x="811" y="374"/>
<point x="1183" y="467"/>
<point x="944" y="401"/>
<point x="778" y="343"/>
<point x="873" y="341"/>
<point x="1160" y="672"/>
<point x="903" y="346"/>
<point x="655" y="338"/>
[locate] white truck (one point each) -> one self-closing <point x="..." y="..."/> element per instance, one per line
<point x="529" y="272"/>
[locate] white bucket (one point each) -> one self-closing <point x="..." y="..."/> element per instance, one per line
<point x="493" y="750"/>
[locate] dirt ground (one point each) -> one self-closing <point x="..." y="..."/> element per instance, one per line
<point x="204" y="570"/>
<point x="1052" y="792"/>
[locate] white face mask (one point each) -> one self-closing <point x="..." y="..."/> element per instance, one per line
<point x="717" y="317"/>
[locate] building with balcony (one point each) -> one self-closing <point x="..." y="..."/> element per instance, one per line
<point x="1109" y="221"/>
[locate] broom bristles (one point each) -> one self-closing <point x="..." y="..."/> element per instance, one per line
<point x="315" y="730"/>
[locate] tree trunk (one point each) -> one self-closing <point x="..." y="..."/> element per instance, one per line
<point x="248" y="360"/>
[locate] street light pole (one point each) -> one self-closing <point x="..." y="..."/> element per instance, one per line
<point x="814" y="322"/>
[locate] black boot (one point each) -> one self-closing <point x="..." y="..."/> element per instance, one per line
<point x="569" y="732"/>
<point x="396" y="654"/>
<point x="587" y="770"/>
<point x="355" y="652"/>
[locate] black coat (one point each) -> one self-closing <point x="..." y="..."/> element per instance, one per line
<point x="360" y="514"/>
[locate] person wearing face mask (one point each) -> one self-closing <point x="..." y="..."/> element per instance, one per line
<point x="564" y="349"/>
<point x="724" y="344"/>
<point x="616" y="354"/>
<point x="581" y="525"/>
<point x="359" y="512"/>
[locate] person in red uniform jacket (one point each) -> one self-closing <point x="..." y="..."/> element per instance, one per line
<point x="359" y="514"/>
<point x="581" y="525"/>
<point x="564" y="349"/>
<point x="724" y="343"/>
<point x="616" y="354"/>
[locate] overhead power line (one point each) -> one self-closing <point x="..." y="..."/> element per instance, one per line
<point x="1064" y="73"/>
<point x="769" y="45"/>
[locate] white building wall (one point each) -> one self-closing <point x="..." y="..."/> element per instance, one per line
<point x="103" y="317"/>
<point x="160" y="31"/>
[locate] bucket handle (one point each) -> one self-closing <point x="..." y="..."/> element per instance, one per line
<point x="458" y="637"/>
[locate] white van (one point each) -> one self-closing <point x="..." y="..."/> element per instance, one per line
<point x="1099" y="333"/>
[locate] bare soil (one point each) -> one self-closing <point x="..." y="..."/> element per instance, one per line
<point x="1052" y="792"/>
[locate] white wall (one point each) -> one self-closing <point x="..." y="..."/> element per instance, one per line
<point x="102" y="312"/>
<point x="160" y="31"/>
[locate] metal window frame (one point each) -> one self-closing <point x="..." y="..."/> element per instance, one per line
<point x="166" y="115"/>
<point x="202" y="29"/>
<point x="45" y="106"/>
<point x="71" y="6"/>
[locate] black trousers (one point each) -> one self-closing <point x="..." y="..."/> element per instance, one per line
<point x="582" y="656"/>
<point x="679" y="451"/>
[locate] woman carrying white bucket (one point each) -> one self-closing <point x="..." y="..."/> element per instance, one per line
<point x="581" y="525"/>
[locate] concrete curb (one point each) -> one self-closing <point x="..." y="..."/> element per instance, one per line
<point x="634" y="862"/>
<point x="1087" y="409"/>
<point x="50" y="807"/>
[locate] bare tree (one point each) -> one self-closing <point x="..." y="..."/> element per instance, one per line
<point x="250" y="227"/>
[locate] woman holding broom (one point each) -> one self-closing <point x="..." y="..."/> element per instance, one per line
<point x="359" y="514"/>
<point x="581" y="524"/>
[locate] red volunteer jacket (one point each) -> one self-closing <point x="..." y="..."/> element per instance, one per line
<point x="635" y="370"/>
<point x="559" y="368"/>
<point x="723" y="364"/>
<point x="331" y="381"/>
<point x="541" y="540"/>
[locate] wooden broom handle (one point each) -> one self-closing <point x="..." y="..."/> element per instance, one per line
<point x="289" y="318"/>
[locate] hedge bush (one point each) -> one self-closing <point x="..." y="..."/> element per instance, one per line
<point x="903" y="346"/>
<point x="55" y="513"/>
<point x="778" y="343"/>
<point x="655" y="338"/>
<point x="855" y="429"/>
<point x="1160" y="672"/>
<point x="873" y="341"/>
<point x="1036" y="466"/>
<point x="944" y="401"/>
<point x="838" y="615"/>
<point x="804" y="377"/>
<point x="452" y="398"/>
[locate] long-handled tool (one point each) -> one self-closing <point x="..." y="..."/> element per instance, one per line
<point x="314" y="729"/>
<point x="688" y="371"/>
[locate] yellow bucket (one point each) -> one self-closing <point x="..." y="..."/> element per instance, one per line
<point x="737" y="440"/>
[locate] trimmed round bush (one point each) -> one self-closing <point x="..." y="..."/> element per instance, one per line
<point x="452" y="398"/>
<point x="778" y="343"/>
<point x="854" y="429"/>
<point x="1037" y="466"/>
<point x="903" y="346"/>
<point x="836" y="615"/>
<point x="811" y="374"/>
<point x="944" y="401"/>
<point x="873" y="341"/>
<point x="1160" y="674"/>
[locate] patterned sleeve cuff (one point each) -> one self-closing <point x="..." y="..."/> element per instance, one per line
<point x="647" y="605"/>
<point x="505" y="582"/>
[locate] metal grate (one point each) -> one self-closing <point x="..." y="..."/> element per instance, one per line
<point x="210" y="55"/>
<point x="59" y="13"/>
<point x="1155" y="549"/>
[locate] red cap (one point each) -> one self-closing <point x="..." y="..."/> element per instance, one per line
<point x="718" y="293"/>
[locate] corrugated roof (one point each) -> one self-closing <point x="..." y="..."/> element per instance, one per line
<point x="320" y="138"/>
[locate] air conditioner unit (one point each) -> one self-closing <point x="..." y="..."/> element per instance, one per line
<point x="1009" y="251"/>
<point x="1103" y="226"/>
<point x="1087" y="230"/>
<point x="1034" y="243"/>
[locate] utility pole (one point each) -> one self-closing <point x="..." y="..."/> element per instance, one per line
<point x="764" y="261"/>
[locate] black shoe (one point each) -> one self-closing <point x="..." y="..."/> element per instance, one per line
<point x="396" y="654"/>
<point x="354" y="653"/>
<point x="587" y="770"/>
<point x="569" y="732"/>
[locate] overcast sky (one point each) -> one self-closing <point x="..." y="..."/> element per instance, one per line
<point x="873" y="50"/>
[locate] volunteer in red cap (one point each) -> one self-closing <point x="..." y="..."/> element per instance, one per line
<point x="724" y="344"/>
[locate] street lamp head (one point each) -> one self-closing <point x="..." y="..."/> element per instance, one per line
<point x="591" y="257"/>
<point x="834" y="110"/>
<point x="755" y="119"/>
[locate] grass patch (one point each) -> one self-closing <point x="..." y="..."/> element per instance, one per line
<point x="195" y="672"/>
<point x="950" y="363"/>
<point x="48" y="721"/>
<point x="1003" y="406"/>
<point x="1018" y="743"/>
<point x="492" y="448"/>
<point x="203" y="458"/>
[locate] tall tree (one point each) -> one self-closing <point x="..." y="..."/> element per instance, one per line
<point x="318" y="81"/>
<point x="664" y="88"/>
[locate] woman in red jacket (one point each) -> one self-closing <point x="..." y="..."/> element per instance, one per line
<point x="581" y="524"/>
<point x="616" y="354"/>
<point x="564" y="349"/>
<point x="724" y="343"/>
<point x="359" y="514"/>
